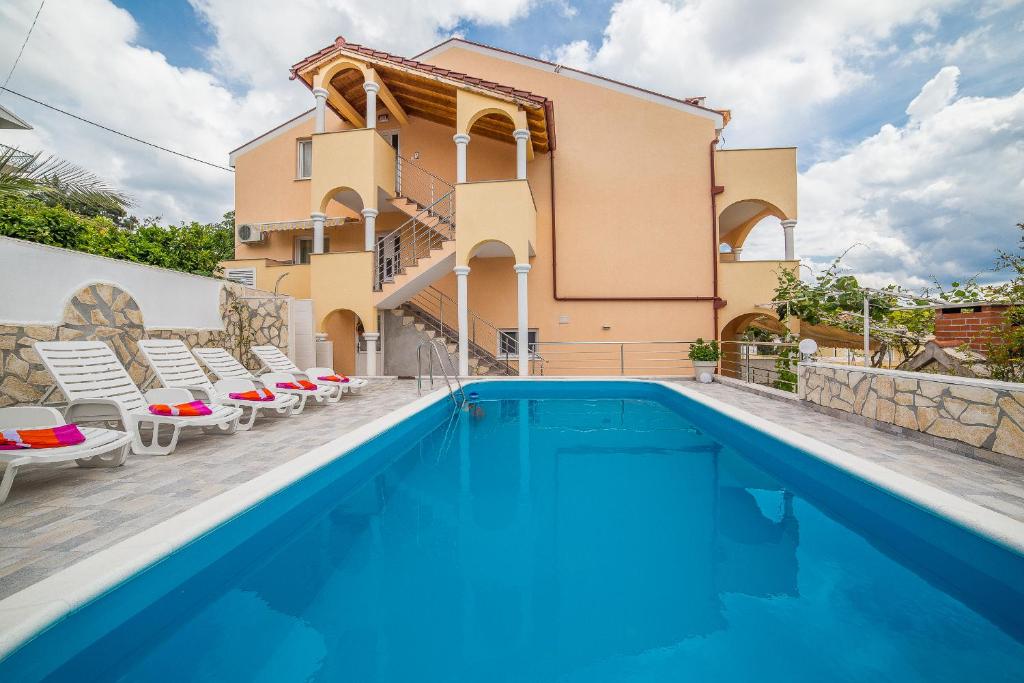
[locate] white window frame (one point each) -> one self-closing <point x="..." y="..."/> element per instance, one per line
<point x="297" y="248"/>
<point x="300" y="143"/>
<point x="514" y="333"/>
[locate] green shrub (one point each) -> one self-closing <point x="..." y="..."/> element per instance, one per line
<point x="704" y="351"/>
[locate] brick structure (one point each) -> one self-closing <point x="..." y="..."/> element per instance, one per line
<point x="972" y="325"/>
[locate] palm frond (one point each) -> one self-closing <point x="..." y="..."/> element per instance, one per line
<point x="55" y="181"/>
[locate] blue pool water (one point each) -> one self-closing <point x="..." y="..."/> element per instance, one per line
<point x="563" y="532"/>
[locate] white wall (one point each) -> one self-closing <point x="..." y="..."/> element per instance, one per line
<point x="36" y="282"/>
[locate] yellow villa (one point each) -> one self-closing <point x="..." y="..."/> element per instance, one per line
<point x="481" y="197"/>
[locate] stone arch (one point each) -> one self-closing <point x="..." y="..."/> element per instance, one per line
<point x="104" y="312"/>
<point x="343" y="327"/>
<point x="488" y="111"/>
<point x="737" y="220"/>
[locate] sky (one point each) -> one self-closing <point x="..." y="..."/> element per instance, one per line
<point x="908" y="114"/>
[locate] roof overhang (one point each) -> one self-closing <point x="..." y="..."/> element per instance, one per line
<point x="426" y="91"/>
<point x="9" y="120"/>
<point x="691" y="105"/>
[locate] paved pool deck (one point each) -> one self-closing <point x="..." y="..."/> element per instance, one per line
<point x="58" y="515"/>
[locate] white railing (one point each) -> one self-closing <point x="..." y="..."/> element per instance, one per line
<point x="766" y="363"/>
<point x="640" y="358"/>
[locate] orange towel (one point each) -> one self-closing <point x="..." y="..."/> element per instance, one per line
<point x="334" y="378"/>
<point x="301" y="384"/>
<point x="255" y="395"/>
<point x="52" y="437"/>
<point x="191" y="409"/>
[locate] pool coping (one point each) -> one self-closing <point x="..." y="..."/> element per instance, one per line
<point x="30" y="611"/>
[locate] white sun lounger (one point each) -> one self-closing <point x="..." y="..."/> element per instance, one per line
<point x="175" y="366"/>
<point x="275" y="361"/>
<point x="98" y="388"/>
<point x="225" y="366"/>
<point x="101" y="448"/>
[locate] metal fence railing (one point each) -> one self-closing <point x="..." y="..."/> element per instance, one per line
<point x="770" y="364"/>
<point x="638" y="358"/>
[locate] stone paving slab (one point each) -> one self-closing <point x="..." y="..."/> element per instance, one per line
<point x="59" y="515"/>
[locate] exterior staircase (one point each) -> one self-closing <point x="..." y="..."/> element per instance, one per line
<point x="421" y="250"/>
<point x="432" y="314"/>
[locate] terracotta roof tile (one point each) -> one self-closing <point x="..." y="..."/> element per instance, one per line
<point x="341" y="43"/>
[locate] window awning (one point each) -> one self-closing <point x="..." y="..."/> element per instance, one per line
<point x="303" y="224"/>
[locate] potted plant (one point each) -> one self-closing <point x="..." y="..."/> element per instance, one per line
<point x="704" y="356"/>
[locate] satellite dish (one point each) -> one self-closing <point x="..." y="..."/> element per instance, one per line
<point x="808" y="347"/>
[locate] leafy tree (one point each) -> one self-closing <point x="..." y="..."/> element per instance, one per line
<point x="192" y="247"/>
<point x="837" y="300"/>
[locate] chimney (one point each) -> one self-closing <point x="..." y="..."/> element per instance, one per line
<point x="971" y="325"/>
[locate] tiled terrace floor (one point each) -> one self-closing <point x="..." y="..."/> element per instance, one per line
<point x="57" y="516"/>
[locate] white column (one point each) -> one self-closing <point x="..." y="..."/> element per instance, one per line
<point x="787" y="231"/>
<point x="461" y="279"/>
<point x="371" y="352"/>
<point x="371" y="89"/>
<point x="318" y="232"/>
<point x="321" y="109"/>
<point x="370" y="237"/>
<point x="521" y="137"/>
<point x="461" y="143"/>
<point x="524" y="319"/>
<point x="736" y="251"/>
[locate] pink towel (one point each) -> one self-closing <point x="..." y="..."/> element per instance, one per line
<point x="304" y="384"/>
<point x="52" y="437"/>
<point x="191" y="409"/>
<point x="334" y="378"/>
<point x="255" y="395"/>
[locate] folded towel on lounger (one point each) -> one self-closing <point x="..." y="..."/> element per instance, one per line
<point x="255" y="395"/>
<point x="191" y="409"/>
<point x="52" y="437"/>
<point x="301" y="384"/>
<point x="333" y="378"/>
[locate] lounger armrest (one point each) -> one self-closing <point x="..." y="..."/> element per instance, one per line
<point x="200" y="393"/>
<point x="95" y="410"/>
<point x="169" y="396"/>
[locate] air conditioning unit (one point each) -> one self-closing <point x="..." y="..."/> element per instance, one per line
<point x="250" y="233"/>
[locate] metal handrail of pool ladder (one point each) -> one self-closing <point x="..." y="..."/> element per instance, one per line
<point x="432" y="344"/>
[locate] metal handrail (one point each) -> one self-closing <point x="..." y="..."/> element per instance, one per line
<point x="431" y="344"/>
<point x="739" y="361"/>
<point x="415" y="239"/>
<point x="433" y="301"/>
<point x="608" y="357"/>
<point x="418" y="184"/>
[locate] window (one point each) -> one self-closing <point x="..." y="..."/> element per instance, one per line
<point x="508" y="343"/>
<point x="305" y="169"/>
<point x="304" y="248"/>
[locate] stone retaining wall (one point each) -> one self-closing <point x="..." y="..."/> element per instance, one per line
<point x="981" y="413"/>
<point x="104" y="312"/>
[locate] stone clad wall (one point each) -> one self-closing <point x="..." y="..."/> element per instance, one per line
<point x="104" y="312"/>
<point x="980" y="413"/>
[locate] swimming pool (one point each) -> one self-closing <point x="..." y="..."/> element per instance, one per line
<point x="570" y="531"/>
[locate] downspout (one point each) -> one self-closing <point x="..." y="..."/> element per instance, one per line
<point x="715" y="190"/>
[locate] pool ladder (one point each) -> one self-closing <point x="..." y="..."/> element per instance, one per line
<point x="431" y="346"/>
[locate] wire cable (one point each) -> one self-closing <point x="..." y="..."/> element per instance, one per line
<point x="117" y="132"/>
<point x="23" y="44"/>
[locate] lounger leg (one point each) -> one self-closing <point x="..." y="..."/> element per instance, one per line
<point x="154" y="447"/>
<point x="8" y="480"/>
<point x="297" y="408"/>
<point x="114" y="458"/>
<point x="244" y="424"/>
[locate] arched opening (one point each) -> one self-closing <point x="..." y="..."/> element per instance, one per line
<point x="492" y="153"/>
<point x="491" y="249"/>
<point x="343" y="328"/>
<point x="342" y="201"/>
<point x="749" y="347"/>
<point x="739" y="220"/>
<point x="346" y="78"/>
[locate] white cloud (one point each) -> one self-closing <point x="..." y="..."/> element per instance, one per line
<point x="932" y="198"/>
<point x="772" y="63"/>
<point x="84" y="56"/>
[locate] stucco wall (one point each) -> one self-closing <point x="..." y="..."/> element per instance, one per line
<point x="980" y="413"/>
<point x="37" y="281"/>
